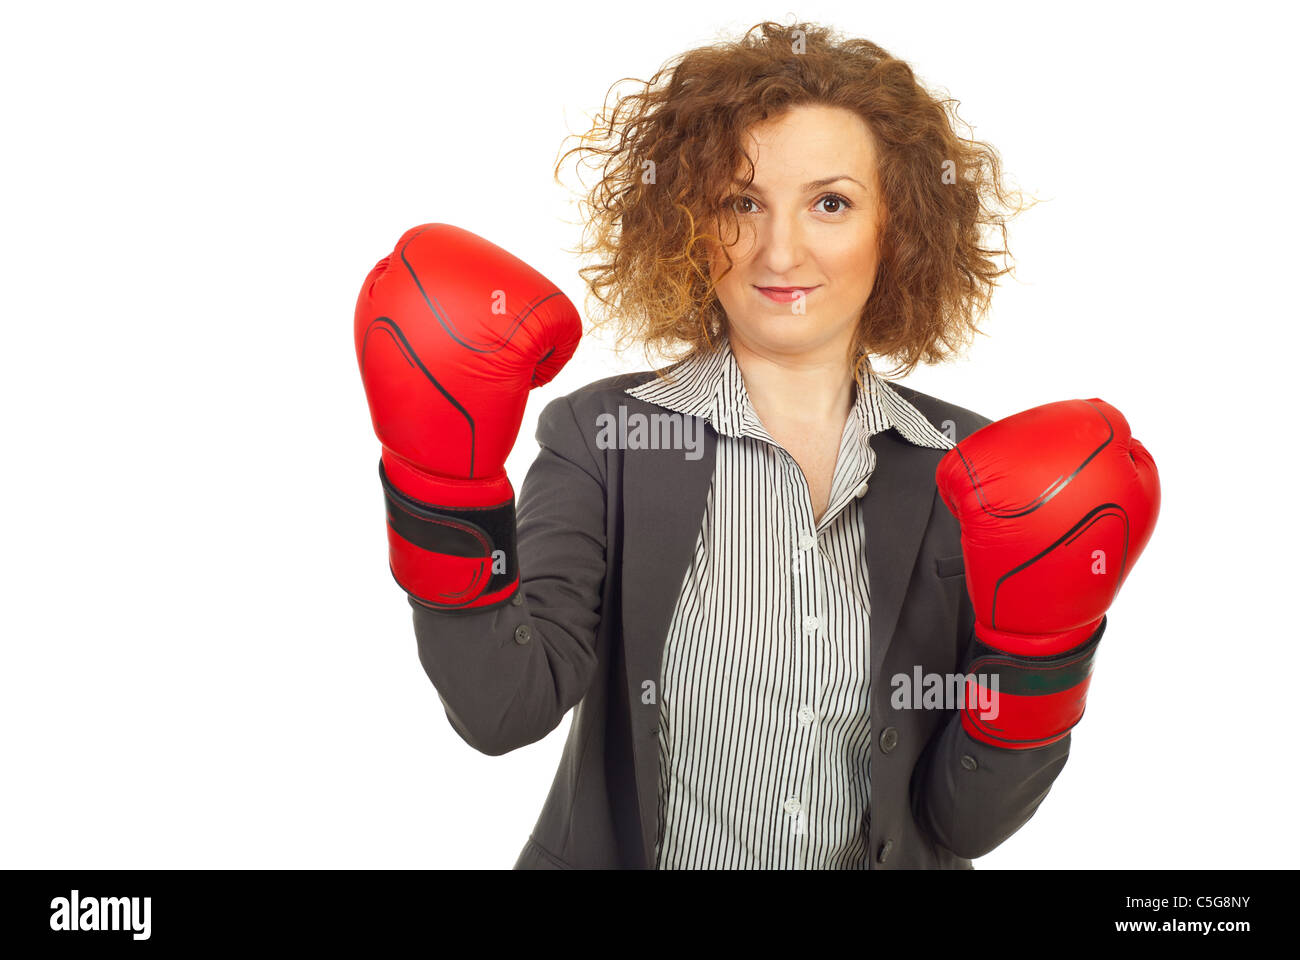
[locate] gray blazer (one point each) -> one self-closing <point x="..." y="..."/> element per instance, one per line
<point x="604" y="540"/>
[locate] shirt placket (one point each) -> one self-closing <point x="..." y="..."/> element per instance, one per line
<point x="809" y="625"/>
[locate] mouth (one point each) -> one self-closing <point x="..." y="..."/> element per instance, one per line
<point x="786" y="294"/>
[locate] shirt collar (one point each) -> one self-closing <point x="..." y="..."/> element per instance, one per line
<point x="709" y="385"/>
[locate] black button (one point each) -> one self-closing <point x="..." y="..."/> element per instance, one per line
<point x="968" y="761"/>
<point x="654" y="731"/>
<point x="888" y="739"/>
<point x="522" y="633"/>
<point x="884" y="851"/>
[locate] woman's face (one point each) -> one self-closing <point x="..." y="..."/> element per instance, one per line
<point x="810" y="219"/>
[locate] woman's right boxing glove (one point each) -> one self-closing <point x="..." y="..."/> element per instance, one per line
<point x="451" y="334"/>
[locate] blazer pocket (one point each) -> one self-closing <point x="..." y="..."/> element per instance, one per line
<point x="946" y="567"/>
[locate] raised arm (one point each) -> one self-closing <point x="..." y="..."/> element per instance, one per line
<point x="452" y="333"/>
<point x="1055" y="506"/>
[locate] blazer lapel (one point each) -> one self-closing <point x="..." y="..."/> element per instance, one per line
<point x="664" y="496"/>
<point x="896" y="509"/>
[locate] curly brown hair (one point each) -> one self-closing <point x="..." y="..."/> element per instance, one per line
<point x="669" y="153"/>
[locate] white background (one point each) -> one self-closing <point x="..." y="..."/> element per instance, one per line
<point x="206" y="662"/>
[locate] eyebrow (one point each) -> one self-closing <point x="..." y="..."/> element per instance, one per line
<point x="811" y="185"/>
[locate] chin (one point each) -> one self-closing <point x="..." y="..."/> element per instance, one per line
<point x="784" y="333"/>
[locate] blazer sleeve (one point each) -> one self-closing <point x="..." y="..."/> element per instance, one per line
<point x="970" y="796"/>
<point x="507" y="676"/>
<point x="967" y="795"/>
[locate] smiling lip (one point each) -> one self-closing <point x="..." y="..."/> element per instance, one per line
<point x="784" y="294"/>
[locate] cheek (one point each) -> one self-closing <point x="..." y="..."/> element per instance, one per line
<point x="856" y="263"/>
<point x="862" y="251"/>
<point x="734" y="279"/>
<point x="717" y="261"/>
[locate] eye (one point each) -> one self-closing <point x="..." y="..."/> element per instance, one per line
<point x="837" y="199"/>
<point x="734" y="203"/>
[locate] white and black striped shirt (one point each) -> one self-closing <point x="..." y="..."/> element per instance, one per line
<point x="765" y="731"/>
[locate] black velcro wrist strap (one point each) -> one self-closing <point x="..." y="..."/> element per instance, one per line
<point x="457" y="531"/>
<point x="1037" y="676"/>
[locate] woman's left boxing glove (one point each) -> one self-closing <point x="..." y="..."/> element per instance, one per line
<point x="451" y="334"/>
<point x="1056" y="505"/>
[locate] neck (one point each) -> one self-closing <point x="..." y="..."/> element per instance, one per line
<point x="811" y="388"/>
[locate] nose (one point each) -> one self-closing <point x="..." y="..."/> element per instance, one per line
<point x="781" y="240"/>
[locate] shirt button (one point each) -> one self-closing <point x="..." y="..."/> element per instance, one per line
<point x="861" y="491"/>
<point x="805" y="716"/>
<point x="810" y="624"/>
<point x="793" y="805"/>
<point x="522" y="633"/>
<point x="968" y="762"/>
<point x="807" y="541"/>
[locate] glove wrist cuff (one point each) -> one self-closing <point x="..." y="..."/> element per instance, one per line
<point x="448" y="556"/>
<point x="1020" y="702"/>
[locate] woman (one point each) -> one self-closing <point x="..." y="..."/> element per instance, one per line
<point x="725" y="566"/>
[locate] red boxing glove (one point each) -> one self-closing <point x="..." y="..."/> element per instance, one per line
<point x="1055" y="506"/>
<point x="451" y="334"/>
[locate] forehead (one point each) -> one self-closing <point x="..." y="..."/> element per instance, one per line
<point x="811" y="140"/>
